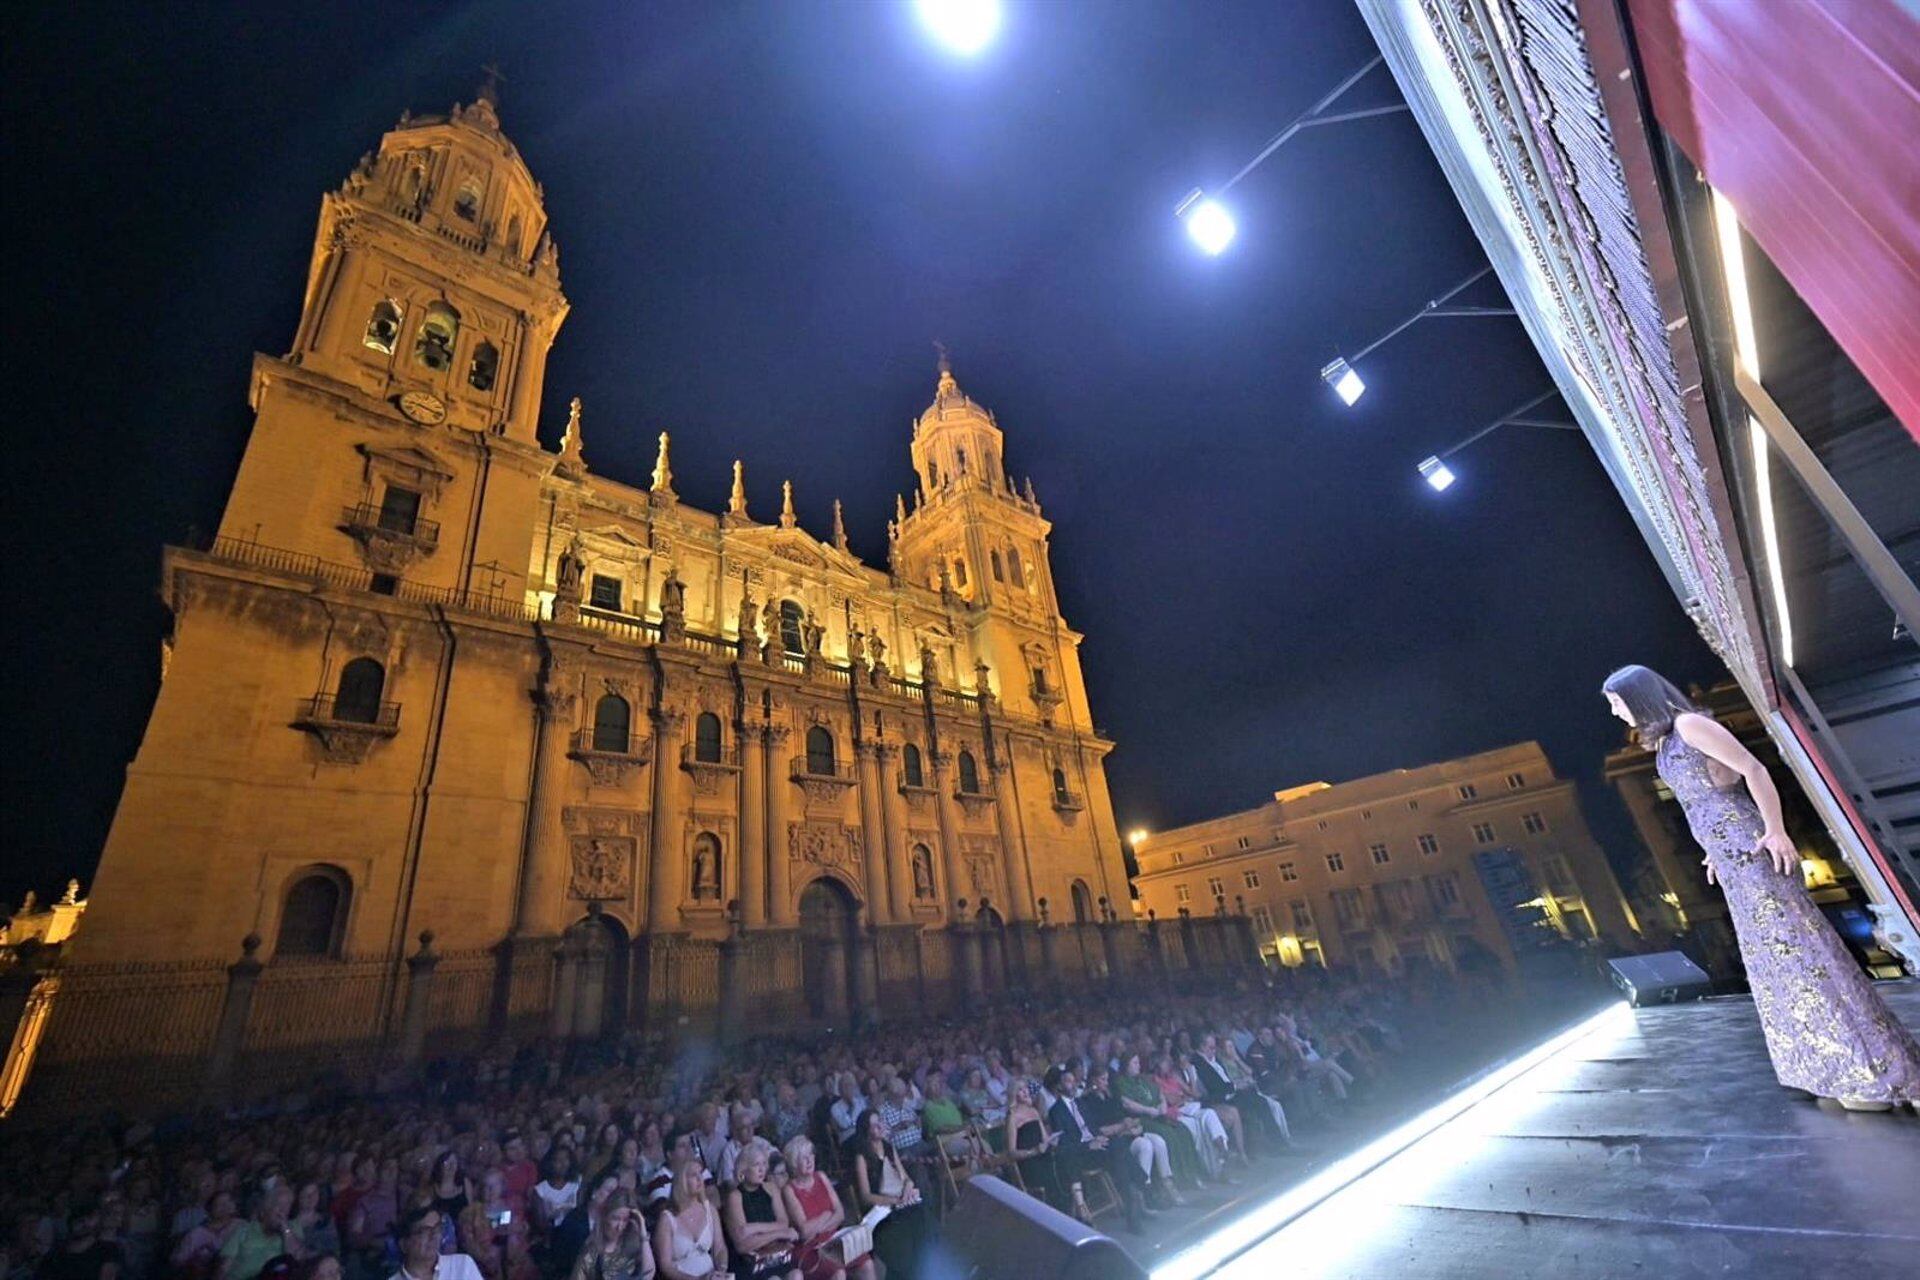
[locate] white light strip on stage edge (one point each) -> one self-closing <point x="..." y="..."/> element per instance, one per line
<point x="1291" y="1208"/>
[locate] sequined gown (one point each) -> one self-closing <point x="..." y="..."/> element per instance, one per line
<point x="1827" y="1030"/>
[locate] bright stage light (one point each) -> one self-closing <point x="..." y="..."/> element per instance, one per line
<point x="1136" y="835"/>
<point x="1295" y="1208"/>
<point x="1438" y="474"/>
<point x="1208" y="223"/>
<point x="1345" y="382"/>
<point x="964" y="26"/>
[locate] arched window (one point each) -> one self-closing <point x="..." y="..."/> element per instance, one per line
<point x="1013" y="565"/>
<point x="994" y="557"/>
<point x="959" y="572"/>
<point x="706" y="738"/>
<point x="969" y="774"/>
<point x="313" y="919"/>
<point x="513" y="235"/>
<point x="357" y="696"/>
<point x="438" y="331"/>
<point x="912" y="772"/>
<point x="1060" y="784"/>
<point x="383" y="326"/>
<point x="466" y="204"/>
<point x="933" y="474"/>
<point x="612" y="722"/>
<point x="1082" y="902"/>
<point x="961" y="456"/>
<point x="820" y="751"/>
<point x="706" y="868"/>
<point x="793" y="620"/>
<point x="485" y="367"/>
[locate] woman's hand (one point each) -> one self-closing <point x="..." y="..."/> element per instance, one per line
<point x="1779" y="846"/>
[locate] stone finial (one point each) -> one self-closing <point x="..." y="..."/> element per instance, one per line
<point x="663" y="470"/>
<point x="899" y="509"/>
<point x="572" y="461"/>
<point x="1029" y="492"/>
<point x="249" y="945"/>
<point x="737" y="500"/>
<point x="839" y="528"/>
<point x="787" y="519"/>
<point x="72" y="894"/>
<point x="426" y="940"/>
<point x="1041" y="902"/>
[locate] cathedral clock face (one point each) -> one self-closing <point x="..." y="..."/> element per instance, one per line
<point x="423" y="406"/>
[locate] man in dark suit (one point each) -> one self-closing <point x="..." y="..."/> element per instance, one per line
<point x="1082" y="1147"/>
<point x="1256" y="1113"/>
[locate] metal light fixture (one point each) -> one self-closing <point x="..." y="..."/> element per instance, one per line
<point x="964" y="26"/>
<point x="1345" y="382"/>
<point x="1436" y="473"/>
<point x="1209" y="224"/>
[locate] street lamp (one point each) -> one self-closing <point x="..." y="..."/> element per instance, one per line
<point x="1208" y="222"/>
<point x="1136" y="835"/>
<point x="1340" y="374"/>
<point x="1345" y="382"/>
<point x="964" y="26"/>
<point x="1435" y="471"/>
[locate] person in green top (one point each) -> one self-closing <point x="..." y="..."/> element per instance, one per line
<point x="945" y="1124"/>
<point x="264" y="1236"/>
<point x="1141" y="1098"/>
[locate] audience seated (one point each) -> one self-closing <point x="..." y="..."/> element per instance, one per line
<point x="551" y="1161"/>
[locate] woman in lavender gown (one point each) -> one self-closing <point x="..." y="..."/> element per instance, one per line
<point x="1828" y="1031"/>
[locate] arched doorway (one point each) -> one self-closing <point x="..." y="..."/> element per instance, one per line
<point x="827" y="950"/>
<point x="591" y="1000"/>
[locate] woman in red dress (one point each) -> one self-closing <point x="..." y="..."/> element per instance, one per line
<point x="814" y="1208"/>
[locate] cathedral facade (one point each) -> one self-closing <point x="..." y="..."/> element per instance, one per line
<point x="456" y="735"/>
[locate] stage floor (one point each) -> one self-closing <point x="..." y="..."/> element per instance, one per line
<point x="1661" y="1146"/>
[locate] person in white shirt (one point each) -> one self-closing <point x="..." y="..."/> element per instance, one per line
<point x="420" y="1256"/>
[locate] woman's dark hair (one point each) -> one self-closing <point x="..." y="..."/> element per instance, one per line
<point x="863" y="1133"/>
<point x="439" y="1166"/>
<point x="1651" y="699"/>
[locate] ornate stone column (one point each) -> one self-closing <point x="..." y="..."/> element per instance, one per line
<point x="733" y="982"/>
<point x="866" y="989"/>
<point x="413" y="1017"/>
<point x="753" y="825"/>
<point x="235" y="1009"/>
<point x="780" y="911"/>
<point x="664" y="889"/>
<point x="874" y="849"/>
<point x="1013" y="851"/>
<point x="951" y="864"/>
<point x="543" y="882"/>
<point x="899" y="873"/>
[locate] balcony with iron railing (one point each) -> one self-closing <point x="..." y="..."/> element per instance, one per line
<point x="1068" y="801"/>
<point x="720" y="758"/>
<point x="366" y="519"/>
<point x="381" y="718"/>
<point x="820" y="769"/>
<point x="636" y="747"/>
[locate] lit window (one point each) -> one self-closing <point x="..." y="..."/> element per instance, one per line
<point x="1336" y="863"/>
<point x="1515" y="781"/>
<point x="1535" y="823"/>
<point x="1181" y="893"/>
<point x="1483" y="832"/>
<point x="1380" y="855"/>
<point x="1429" y="844"/>
<point x="1467" y="790"/>
<point x="1250" y="878"/>
<point x="605" y="593"/>
<point x="1289" y="872"/>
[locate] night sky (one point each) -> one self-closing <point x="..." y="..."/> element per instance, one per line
<point x="766" y="215"/>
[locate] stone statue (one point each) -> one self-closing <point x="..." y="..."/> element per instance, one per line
<point x="72" y="894"/>
<point x="29" y="904"/>
<point x="929" y="669"/>
<point x="749" y="625"/>
<point x="857" y="648"/>
<point x="879" y="648"/>
<point x="570" y="572"/>
<point x="706" y="874"/>
<point x="922" y="872"/>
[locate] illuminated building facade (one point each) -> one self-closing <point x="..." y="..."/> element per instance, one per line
<point x="1480" y="861"/>
<point x="464" y="738"/>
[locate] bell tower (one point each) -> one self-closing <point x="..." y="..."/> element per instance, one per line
<point x="434" y="279"/>
<point x="398" y="435"/>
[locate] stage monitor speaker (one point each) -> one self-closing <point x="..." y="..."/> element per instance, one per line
<point x="998" y="1233"/>
<point x="1666" y="977"/>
